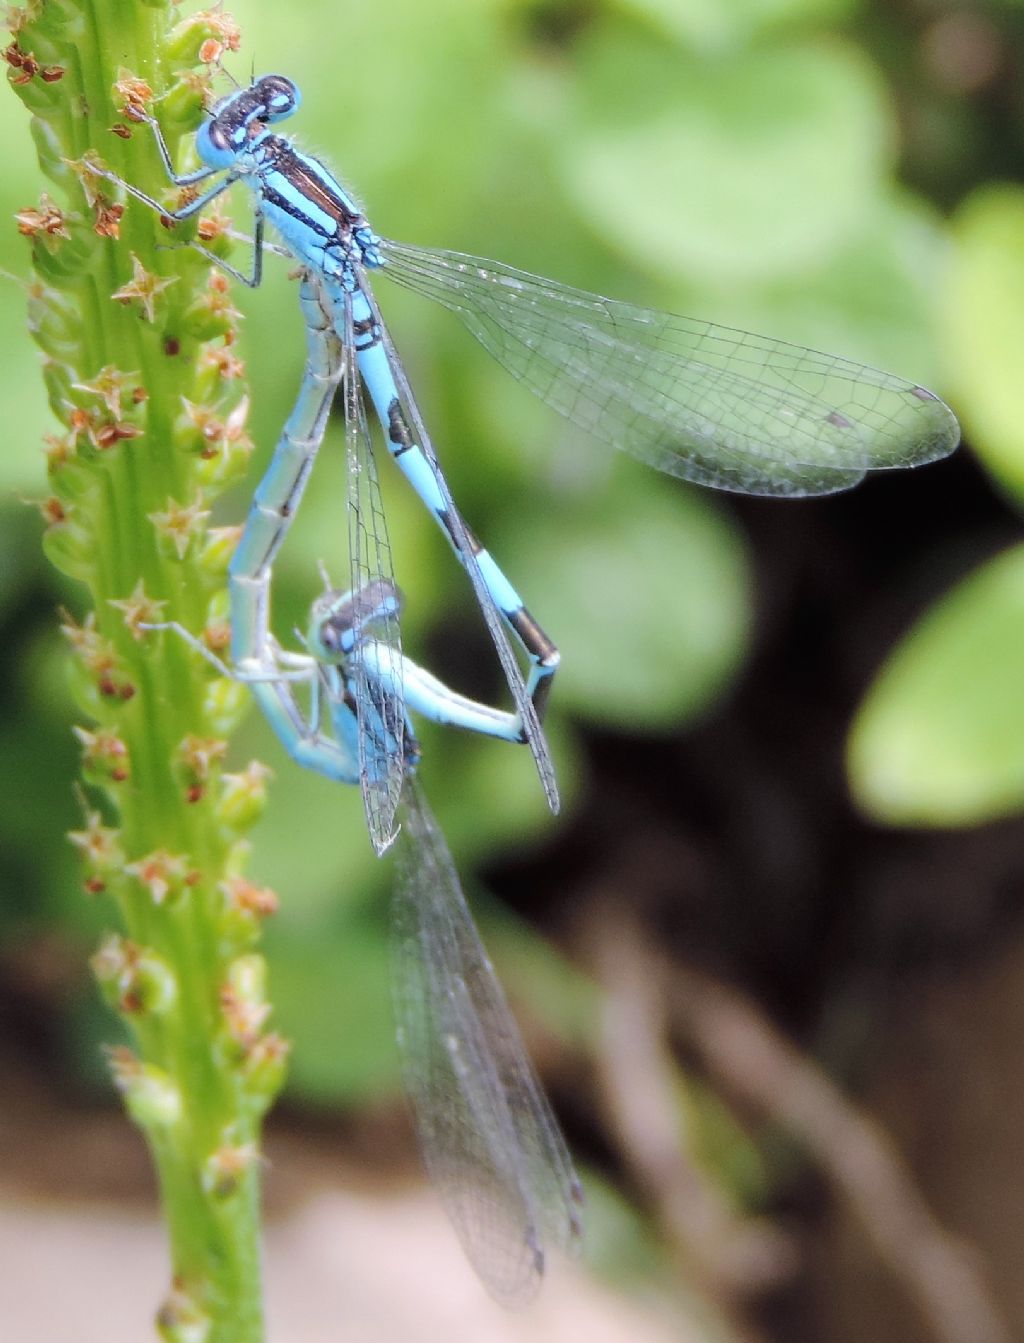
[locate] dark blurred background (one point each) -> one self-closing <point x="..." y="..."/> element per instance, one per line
<point x="770" y="958"/>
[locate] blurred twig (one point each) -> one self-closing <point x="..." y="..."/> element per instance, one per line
<point x="736" y="1256"/>
<point x="749" y="1057"/>
<point x="651" y="998"/>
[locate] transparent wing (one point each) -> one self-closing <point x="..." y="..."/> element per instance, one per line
<point x="490" y="1142"/>
<point x="380" y="703"/>
<point x="467" y="547"/>
<point x="712" y="405"/>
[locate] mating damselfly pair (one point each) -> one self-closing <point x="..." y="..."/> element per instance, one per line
<point x="708" y="404"/>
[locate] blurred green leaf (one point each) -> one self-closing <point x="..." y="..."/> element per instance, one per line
<point x="387" y="93"/>
<point x="26" y="416"/>
<point x="716" y="25"/>
<point x="984" y="327"/>
<point x="489" y="797"/>
<point x="331" y="998"/>
<point x="647" y="593"/>
<point x="873" y="300"/>
<point x="739" y="170"/>
<point x="938" y="738"/>
<point x="311" y="844"/>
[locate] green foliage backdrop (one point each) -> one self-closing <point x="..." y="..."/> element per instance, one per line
<point x="736" y="161"/>
<point x="750" y="161"/>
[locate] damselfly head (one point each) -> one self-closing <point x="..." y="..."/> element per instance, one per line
<point x="238" y="118"/>
<point x="338" y="619"/>
<point x="279" y="95"/>
<point x="330" y="637"/>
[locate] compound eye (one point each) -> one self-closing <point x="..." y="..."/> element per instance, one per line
<point x="279" y="96"/>
<point x="329" y="637"/>
<point x="219" y="135"/>
<point x="216" y="142"/>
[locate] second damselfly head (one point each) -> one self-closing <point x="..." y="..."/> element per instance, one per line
<point x="338" y="620"/>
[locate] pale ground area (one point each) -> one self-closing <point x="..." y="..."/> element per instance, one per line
<point x="358" y="1249"/>
<point x="342" y="1266"/>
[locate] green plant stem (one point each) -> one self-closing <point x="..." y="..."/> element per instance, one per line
<point x="142" y="376"/>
